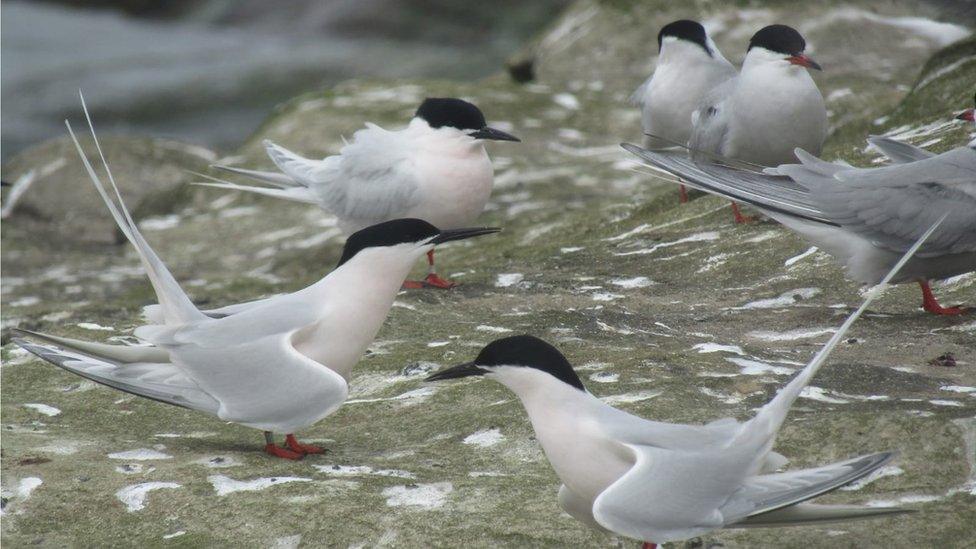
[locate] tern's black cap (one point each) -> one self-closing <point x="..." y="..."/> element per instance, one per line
<point x="780" y="39"/>
<point x="387" y="233"/>
<point x="530" y="352"/>
<point x="451" y="112"/>
<point x="685" y="29"/>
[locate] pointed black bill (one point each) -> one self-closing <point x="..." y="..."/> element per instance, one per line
<point x="461" y="234"/>
<point x="454" y="372"/>
<point x="496" y="135"/>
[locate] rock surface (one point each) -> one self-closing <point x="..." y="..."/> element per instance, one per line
<point x="670" y="312"/>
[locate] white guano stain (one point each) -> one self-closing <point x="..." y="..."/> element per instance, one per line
<point x="224" y="485"/>
<point x="361" y="471"/>
<point x="752" y="367"/>
<point x="134" y="496"/>
<point x="790" y="335"/>
<point x="424" y="496"/>
<point x="140" y="454"/>
<point x="704" y="348"/>
<point x="45" y="409"/>
<point x="635" y="282"/>
<point x="484" y="438"/>
<point x="506" y="280"/>
<point x="785" y="299"/>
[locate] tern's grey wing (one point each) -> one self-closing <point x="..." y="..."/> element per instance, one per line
<point x="893" y="206"/>
<point x="770" y="192"/>
<point x="373" y="179"/>
<point x="264" y="383"/>
<point x="897" y="151"/>
<point x="382" y="180"/>
<point x="812" y="513"/>
<point x="160" y="381"/>
<point x="670" y="495"/>
<point x="767" y="493"/>
<point x="710" y="122"/>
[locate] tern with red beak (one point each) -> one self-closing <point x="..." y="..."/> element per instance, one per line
<point x="864" y="217"/>
<point x="772" y="107"/>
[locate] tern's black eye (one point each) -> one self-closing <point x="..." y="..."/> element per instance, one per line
<point x="455" y="113"/>
<point x="388" y="233"/>
<point x="685" y="29"/>
<point x="779" y="39"/>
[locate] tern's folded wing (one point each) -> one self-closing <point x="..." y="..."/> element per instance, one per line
<point x="893" y="206"/>
<point x="671" y="495"/>
<point x="264" y="383"/>
<point x="769" y="192"/>
<point x="372" y="179"/>
<point x="124" y="368"/>
<point x="897" y="151"/>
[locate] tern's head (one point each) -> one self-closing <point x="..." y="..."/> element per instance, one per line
<point x="402" y="239"/>
<point x="968" y="114"/>
<point x="519" y="362"/>
<point x="685" y="38"/>
<point x="460" y="116"/>
<point x="779" y="44"/>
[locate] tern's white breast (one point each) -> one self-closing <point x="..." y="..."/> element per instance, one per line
<point x="455" y="181"/>
<point x="775" y="108"/>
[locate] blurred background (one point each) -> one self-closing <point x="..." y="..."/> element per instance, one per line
<point x="208" y="71"/>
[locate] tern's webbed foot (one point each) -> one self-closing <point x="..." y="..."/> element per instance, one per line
<point x="434" y="281"/>
<point x="931" y="304"/>
<point x="278" y="451"/>
<point x="739" y="218"/>
<point x="301" y="448"/>
<point x="430" y="281"/>
<point x="937" y="309"/>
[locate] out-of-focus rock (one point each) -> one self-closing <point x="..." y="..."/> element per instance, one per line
<point x="61" y="202"/>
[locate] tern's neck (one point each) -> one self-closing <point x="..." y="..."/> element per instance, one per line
<point x="354" y="300"/>
<point x="543" y="396"/>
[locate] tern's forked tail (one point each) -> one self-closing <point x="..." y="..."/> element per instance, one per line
<point x="768" y="420"/>
<point x="177" y="307"/>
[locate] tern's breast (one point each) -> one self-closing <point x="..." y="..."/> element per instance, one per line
<point x="456" y="185"/>
<point x="586" y="461"/>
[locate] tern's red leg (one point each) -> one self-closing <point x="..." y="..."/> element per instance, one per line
<point x="649" y="545"/>
<point x="930" y="304"/>
<point x="296" y="446"/>
<point x="682" y="194"/>
<point x="431" y="280"/>
<point x="273" y="449"/>
<point x="739" y="218"/>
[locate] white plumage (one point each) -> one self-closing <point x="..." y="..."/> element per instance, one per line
<point x="661" y="482"/>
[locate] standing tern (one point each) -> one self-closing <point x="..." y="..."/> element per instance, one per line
<point x="661" y="482"/>
<point x="689" y="64"/>
<point x="770" y="108"/>
<point x="864" y="217"/>
<point x="278" y="364"/>
<point x="435" y="169"/>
